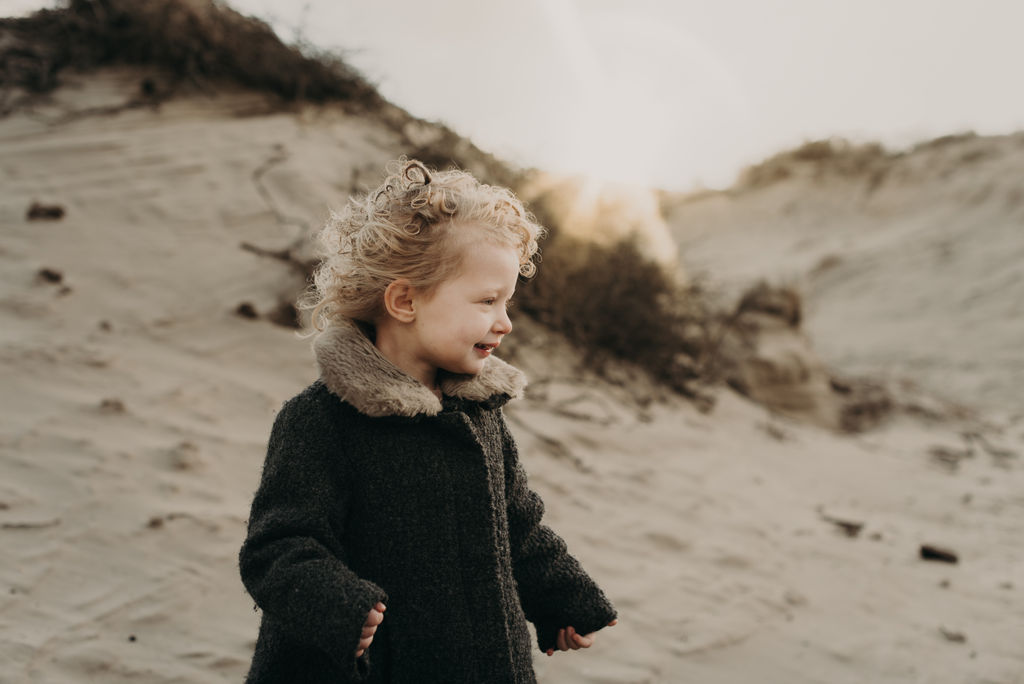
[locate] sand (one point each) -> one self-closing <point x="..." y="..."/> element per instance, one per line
<point x="910" y="271"/>
<point x="137" y="404"/>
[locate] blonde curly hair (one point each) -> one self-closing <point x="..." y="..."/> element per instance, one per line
<point x="415" y="226"/>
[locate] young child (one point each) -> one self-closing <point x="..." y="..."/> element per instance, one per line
<point x="393" y="537"/>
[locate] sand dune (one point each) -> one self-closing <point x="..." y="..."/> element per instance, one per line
<point x="137" y="404"/>
<point x="911" y="268"/>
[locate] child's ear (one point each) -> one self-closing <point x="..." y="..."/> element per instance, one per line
<point x="398" y="301"/>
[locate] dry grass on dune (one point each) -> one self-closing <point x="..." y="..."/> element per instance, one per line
<point x="612" y="302"/>
<point x="204" y="43"/>
<point x="818" y="159"/>
<point x="194" y="40"/>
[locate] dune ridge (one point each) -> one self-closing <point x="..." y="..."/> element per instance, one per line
<point x="909" y="263"/>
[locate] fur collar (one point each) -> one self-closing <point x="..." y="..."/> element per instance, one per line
<point x="355" y="370"/>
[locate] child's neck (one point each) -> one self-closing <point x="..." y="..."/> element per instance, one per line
<point x="392" y="344"/>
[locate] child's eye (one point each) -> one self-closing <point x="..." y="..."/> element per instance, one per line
<point x="488" y="302"/>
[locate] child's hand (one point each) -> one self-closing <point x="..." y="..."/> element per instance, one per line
<point x="568" y="638"/>
<point x="373" y="618"/>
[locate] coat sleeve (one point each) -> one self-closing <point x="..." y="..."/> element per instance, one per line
<point x="554" y="590"/>
<point x="290" y="561"/>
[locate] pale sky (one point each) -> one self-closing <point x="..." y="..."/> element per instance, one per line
<point x="675" y="93"/>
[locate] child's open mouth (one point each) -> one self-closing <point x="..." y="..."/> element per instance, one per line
<point x="485" y="349"/>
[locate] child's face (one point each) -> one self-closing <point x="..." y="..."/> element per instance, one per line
<point x="462" y="321"/>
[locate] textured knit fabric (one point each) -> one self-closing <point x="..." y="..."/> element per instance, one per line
<point x="374" y="490"/>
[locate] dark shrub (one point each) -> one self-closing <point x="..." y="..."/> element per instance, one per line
<point x="196" y="40"/>
<point x="612" y="301"/>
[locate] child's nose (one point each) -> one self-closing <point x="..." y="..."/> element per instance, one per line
<point x="504" y="324"/>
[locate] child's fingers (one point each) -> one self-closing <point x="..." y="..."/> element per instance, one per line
<point x="569" y="639"/>
<point x="584" y="640"/>
<point x="373" y="618"/>
<point x="577" y="640"/>
<point x="364" y="644"/>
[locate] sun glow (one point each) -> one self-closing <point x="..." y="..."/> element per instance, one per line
<point x="606" y="212"/>
<point x="654" y="104"/>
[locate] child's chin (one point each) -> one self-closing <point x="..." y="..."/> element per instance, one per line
<point x="467" y="368"/>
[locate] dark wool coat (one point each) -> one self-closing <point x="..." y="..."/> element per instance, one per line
<point x="374" y="490"/>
